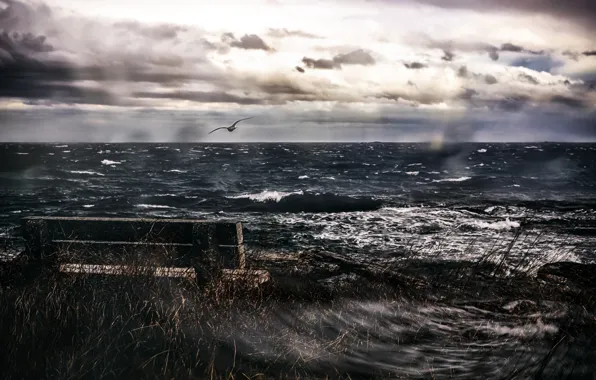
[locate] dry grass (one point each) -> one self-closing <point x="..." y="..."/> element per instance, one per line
<point x="65" y="326"/>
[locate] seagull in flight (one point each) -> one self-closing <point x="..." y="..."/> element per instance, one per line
<point x="232" y="127"/>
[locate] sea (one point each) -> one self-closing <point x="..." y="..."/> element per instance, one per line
<point x="369" y="199"/>
<point x="376" y="202"/>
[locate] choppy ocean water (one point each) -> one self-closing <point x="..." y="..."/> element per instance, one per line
<point x="377" y="202"/>
<point x="375" y="199"/>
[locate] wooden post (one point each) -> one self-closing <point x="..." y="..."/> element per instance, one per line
<point x="38" y="245"/>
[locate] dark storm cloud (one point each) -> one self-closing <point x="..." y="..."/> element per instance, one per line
<point x="528" y="78"/>
<point x="493" y="53"/>
<point x="282" y="33"/>
<point x="569" y="102"/>
<point x="513" y="103"/>
<point x="247" y="42"/>
<point x="511" y="47"/>
<point x="199" y="96"/>
<point x="571" y="54"/>
<point x="490" y="79"/>
<point x="58" y="93"/>
<point x="462" y="72"/>
<point x="447" y="56"/>
<point x="24" y="76"/>
<point x="299" y="69"/>
<point x="282" y="86"/>
<point x="581" y="11"/>
<point x="589" y="53"/>
<point x="415" y="65"/>
<point x="516" y="103"/>
<point x="18" y="16"/>
<point x="355" y="57"/>
<point x="16" y="43"/>
<point x="468" y="94"/>
<point x="319" y="63"/>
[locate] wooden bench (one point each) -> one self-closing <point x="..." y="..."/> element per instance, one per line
<point x="206" y="246"/>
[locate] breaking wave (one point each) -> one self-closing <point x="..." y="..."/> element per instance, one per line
<point x="300" y="201"/>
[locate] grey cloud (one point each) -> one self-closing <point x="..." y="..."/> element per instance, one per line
<point x="490" y="79"/>
<point x="282" y="33"/>
<point x="447" y="56"/>
<point x="356" y="57"/>
<point x="512" y="103"/>
<point x="19" y="16"/>
<point x="571" y="54"/>
<point x="415" y="65"/>
<point x="589" y="53"/>
<point x="23" y="43"/>
<point x="199" y="96"/>
<point x="493" y="53"/>
<point x="468" y="93"/>
<point x="159" y="32"/>
<point x="462" y="72"/>
<point x="418" y="97"/>
<point x="569" y="101"/>
<point x="24" y="76"/>
<point x="28" y="73"/>
<point x="247" y="42"/>
<point x="511" y="47"/>
<point x="283" y="87"/>
<point x="528" y="78"/>
<point x="581" y="11"/>
<point x="449" y="48"/>
<point x="299" y="69"/>
<point x="319" y="63"/>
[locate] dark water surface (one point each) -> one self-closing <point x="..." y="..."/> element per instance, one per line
<point x="372" y="199"/>
<point x="376" y="202"/>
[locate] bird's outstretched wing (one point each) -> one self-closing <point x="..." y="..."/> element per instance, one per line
<point x="217" y="129"/>
<point x="238" y="121"/>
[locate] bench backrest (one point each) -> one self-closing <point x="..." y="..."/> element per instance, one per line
<point x="44" y="234"/>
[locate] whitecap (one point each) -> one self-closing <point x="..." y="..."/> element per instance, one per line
<point x="500" y="225"/>
<point x="266" y="195"/>
<point x="303" y="177"/>
<point x="110" y="162"/>
<point x="89" y="172"/>
<point x="460" y="179"/>
<point x="143" y="205"/>
<point x="88" y="206"/>
<point x="481" y="151"/>
<point x="412" y="173"/>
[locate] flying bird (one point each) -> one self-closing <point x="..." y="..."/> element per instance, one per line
<point x="232" y="127"/>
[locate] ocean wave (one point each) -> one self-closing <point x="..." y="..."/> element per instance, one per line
<point x="89" y="172"/>
<point x="299" y="201"/>
<point x="110" y="162"/>
<point x="266" y="196"/>
<point x="498" y="226"/>
<point x="460" y="179"/>
<point x="143" y="205"/>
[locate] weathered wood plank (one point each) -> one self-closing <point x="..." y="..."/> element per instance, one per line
<point x="191" y="242"/>
<point x="129" y="229"/>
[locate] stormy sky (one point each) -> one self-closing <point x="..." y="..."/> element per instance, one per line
<point x="352" y="70"/>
